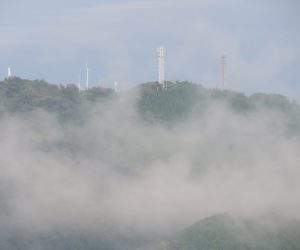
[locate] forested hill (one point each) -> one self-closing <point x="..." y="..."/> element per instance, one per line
<point x="182" y="98"/>
<point x="227" y="233"/>
<point x="19" y="96"/>
<point x="181" y="101"/>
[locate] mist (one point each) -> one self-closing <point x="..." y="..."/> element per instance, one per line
<point x="117" y="169"/>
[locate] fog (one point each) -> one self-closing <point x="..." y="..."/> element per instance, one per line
<point x="118" y="169"/>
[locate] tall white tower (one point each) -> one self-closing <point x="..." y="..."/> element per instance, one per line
<point x="79" y="82"/>
<point x="9" y="73"/>
<point x="223" y="65"/>
<point x="87" y="77"/>
<point x="116" y="86"/>
<point x="161" y="67"/>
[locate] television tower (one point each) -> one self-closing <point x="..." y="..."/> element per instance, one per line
<point x="223" y="64"/>
<point x="9" y="73"/>
<point x="79" y="82"/>
<point x="161" y="67"/>
<point x="87" y="77"/>
<point x="116" y="86"/>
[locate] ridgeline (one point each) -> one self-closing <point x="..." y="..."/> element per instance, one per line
<point x="181" y="101"/>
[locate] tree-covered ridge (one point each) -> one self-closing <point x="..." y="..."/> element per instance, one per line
<point x="185" y="100"/>
<point x="182" y="97"/>
<point x="18" y="96"/>
<point x="179" y="101"/>
<point x="227" y="233"/>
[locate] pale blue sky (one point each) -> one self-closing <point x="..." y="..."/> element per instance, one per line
<point x="54" y="39"/>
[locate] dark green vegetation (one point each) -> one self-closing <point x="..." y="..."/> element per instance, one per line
<point x="18" y="96"/>
<point x="181" y="101"/>
<point x="226" y="233"/>
<point x="185" y="98"/>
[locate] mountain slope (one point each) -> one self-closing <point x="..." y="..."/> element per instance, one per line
<point x="222" y="232"/>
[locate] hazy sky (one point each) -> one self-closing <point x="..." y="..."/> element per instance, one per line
<point x="54" y="39"/>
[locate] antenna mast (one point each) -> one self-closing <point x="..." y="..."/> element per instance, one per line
<point x="9" y="74"/>
<point x="87" y="77"/>
<point x="79" y="82"/>
<point x="161" y="67"/>
<point x="223" y="64"/>
<point x="116" y="86"/>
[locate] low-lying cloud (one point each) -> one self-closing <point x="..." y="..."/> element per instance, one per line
<point x="117" y="169"/>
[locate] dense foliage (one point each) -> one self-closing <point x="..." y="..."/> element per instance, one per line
<point x="184" y="100"/>
<point x="18" y="96"/>
<point x="226" y="233"/>
<point x="180" y="101"/>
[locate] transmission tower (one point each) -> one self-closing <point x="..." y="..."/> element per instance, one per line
<point x="223" y="65"/>
<point x="87" y="77"/>
<point x="9" y="73"/>
<point x="161" y="67"/>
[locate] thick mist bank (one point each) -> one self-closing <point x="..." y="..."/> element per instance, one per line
<point x="119" y="162"/>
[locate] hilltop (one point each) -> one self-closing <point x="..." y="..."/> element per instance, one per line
<point x="19" y="96"/>
<point x="179" y="101"/>
<point x="227" y="233"/>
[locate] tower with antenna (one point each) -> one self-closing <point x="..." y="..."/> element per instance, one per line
<point x="223" y="71"/>
<point x="79" y="82"/>
<point x="116" y="86"/>
<point x="9" y="74"/>
<point x="87" y="77"/>
<point x="161" y="67"/>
